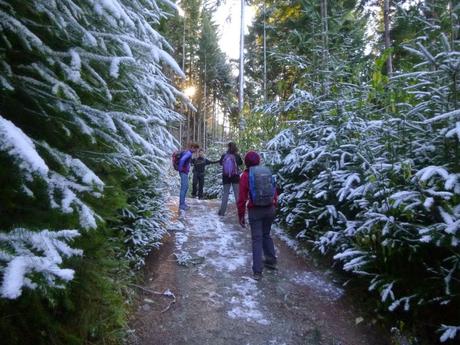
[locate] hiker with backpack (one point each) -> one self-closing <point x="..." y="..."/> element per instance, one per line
<point x="230" y="175"/>
<point x="258" y="193"/>
<point x="181" y="162"/>
<point x="199" y="169"/>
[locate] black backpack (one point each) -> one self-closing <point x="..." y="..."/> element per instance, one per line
<point x="261" y="185"/>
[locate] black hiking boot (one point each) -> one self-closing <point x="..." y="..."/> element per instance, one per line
<point x="270" y="265"/>
<point x="257" y="276"/>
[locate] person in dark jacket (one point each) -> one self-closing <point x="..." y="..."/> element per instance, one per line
<point x="184" y="168"/>
<point x="260" y="220"/>
<point x="230" y="175"/>
<point x="199" y="170"/>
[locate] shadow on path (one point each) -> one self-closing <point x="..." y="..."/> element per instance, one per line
<point x="218" y="302"/>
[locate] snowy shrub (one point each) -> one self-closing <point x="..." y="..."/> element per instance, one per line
<point x="213" y="177"/>
<point x="83" y="96"/>
<point x="380" y="190"/>
<point x="144" y="222"/>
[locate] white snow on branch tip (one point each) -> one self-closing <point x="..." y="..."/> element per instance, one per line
<point x="17" y="144"/>
<point x="455" y="113"/>
<point x="428" y="172"/>
<point x="449" y="332"/>
<point x="34" y="252"/>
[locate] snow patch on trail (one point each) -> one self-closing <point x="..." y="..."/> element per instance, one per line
<point x="245" y="302"/>
<point x="222" y="246"/>
<point x="310" y="279"/>
<point x="226" y="250"/>
<point x="276" y="341"/>
<point x="317" y="283"/>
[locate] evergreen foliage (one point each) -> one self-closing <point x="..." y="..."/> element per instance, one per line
<point x="84" y="110"/>
<point x="213" y="178"/>
<point x="369" y="166"/>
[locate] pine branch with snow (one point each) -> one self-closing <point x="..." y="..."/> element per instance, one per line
<point x="85" y="93"/>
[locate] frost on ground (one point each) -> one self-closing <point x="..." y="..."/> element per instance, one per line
<point x="245" y="303"/>
<point x="217" y="294"/>
<point x="225" y="250"/>
<point x="222" y="246"/>
<point x="318" y="284"/>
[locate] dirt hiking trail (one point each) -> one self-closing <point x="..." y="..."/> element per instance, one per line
<point x="204" y="269"/>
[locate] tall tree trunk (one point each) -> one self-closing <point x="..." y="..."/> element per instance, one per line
<point x="223" y="128"/>
<point x="325" y="47"/>
<point x="324" y="29"/>
<point x="386" y="22"/>
<point x="205" y="97"/>
<point x="194" y="127"/>
<point x="188" y="126"/>
<point x="265" y="54"/>
<point x="452" y="24"/>
<point x="241" y="78"/>
<point x="213" y="133"/>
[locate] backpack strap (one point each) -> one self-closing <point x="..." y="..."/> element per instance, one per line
<point x="252" y="191"/>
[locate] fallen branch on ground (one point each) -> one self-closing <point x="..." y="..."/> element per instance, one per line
<point x="166" y="293"/>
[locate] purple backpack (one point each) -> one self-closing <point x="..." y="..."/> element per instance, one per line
<point x="229" y="165"/>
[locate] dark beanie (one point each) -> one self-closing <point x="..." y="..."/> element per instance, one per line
<point x="252" y="158"/>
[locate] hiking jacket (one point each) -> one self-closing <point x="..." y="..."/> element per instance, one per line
<point x="244" y="198"/>
<point x="199" y="164"/>
<point x="233" y="179"/>
<point x="184" y="163"/>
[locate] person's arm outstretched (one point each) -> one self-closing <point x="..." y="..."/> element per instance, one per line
<point x="211" y="162"/>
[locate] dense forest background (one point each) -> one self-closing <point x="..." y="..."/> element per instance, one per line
<point x="354" y="104"/>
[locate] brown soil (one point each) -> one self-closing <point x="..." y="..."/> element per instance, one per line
<point x="218" y="302"/>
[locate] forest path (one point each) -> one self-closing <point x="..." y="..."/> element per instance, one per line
<point x="218" y="302"/>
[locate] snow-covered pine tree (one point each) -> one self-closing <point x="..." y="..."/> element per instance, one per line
<point x="82" y="92"/>
<point x="379" y="187"/>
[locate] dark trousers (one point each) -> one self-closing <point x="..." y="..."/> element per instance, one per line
<point x="260" y="220"/>
<point x="198" y="181"/>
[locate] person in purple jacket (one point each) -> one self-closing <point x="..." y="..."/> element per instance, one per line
<point x="184" y="168"/>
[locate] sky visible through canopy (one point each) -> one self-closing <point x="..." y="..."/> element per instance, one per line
<point x="228" y="18"/>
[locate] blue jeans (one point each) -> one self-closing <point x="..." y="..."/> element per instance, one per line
<point x="260" y="220"/>
<point x="183" y="189"/>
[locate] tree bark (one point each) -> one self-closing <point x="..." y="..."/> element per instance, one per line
<point x="325" y="29"/>
<point x="386" y="22"/>
<point x="205" y="96"/>
<point x="265" y="55"/>
<point x="241" y="78"/>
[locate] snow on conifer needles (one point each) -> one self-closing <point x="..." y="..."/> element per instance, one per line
<point x="382" y="196"/>
<point x="88" y="92"/>
<point x="35" y="252"/>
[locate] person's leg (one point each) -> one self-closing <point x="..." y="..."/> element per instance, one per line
<point x="183" y="189"/>
<point x="223" y="205"/>
<point x="194" y="184"/>
<point x="268" y="246"/>
<point x="200" y="186"/>
<point x="256" y="224"/>
<point x="236" y="190"/>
